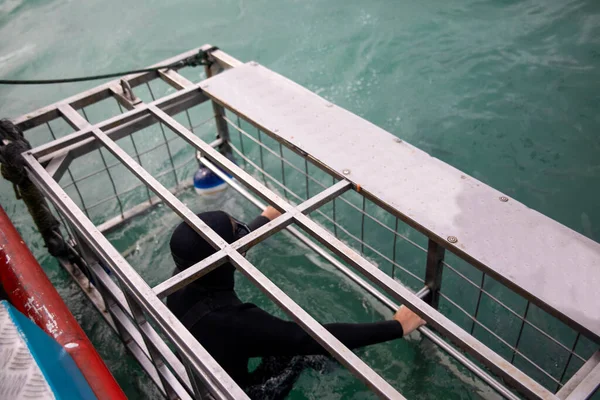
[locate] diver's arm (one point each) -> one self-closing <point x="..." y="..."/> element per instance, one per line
<point x="262" y="334"/>
<point x="271" y="213"/>
<point x="268" y="214"/>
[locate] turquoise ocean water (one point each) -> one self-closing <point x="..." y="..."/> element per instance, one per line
<point x="507" y="91"/>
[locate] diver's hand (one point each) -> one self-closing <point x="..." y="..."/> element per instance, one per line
<point x="408" y="319"/>
<point x="271" y="213"/>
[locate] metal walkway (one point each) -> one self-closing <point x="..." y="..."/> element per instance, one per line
<point x="345" y="158"/>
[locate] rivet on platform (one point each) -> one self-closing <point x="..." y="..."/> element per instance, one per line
<point x="398" y="140"/>
<point x="328" y="105"/>
<point x="452" y="239"/>
<point x="253" y="63"/>
<point x="503" y="198"/>
<point x="346" y="171"/>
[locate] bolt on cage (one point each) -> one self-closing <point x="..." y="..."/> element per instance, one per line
<point x="432" y="238"/>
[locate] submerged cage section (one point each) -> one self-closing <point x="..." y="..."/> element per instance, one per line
<point x="109" y="156"/>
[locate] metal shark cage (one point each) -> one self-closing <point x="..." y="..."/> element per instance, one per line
<point x="449" y="247"/>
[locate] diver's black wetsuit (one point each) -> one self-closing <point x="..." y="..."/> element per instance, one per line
<point x="233" y="331"/>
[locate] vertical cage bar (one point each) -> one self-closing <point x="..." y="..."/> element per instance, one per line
<point x="335" y="227"/>
<point x="362" y="226"/>
<point x="514" y="353"/>
<point x="219" y="112"/>
<point x="162" y="129"/>
<point x="139" y="159"/>
<point x="262" y="161"/>
<point x="137" y="154"/>
<point x="187" y="113"/>
<point x="306" y="178"/>
<point x="112" y="181"/>
<point x="63" y="223"/>
<point x="110" y="303"/>
<point x="394" y="250"/>
<point x="189" y="119"/>
<point x="433" y="271"/>
<point x="71" y="176"/>
<point x="88" y="258"/>
<point x="564" y="372"/>
<point x="241" y="140"/>
<point x="285" y="193"/>
<point x="478" y="302"/>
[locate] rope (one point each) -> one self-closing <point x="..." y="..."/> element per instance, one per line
<point x="193" y="61"/>
<point x="12" y="145"/>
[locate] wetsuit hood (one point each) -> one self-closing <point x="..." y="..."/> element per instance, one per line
<point x="188" y="247"/>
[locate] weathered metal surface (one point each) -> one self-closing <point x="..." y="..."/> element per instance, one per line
<point x="548" y="263"/>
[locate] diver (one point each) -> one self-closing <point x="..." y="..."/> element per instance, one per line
<point x="233" y="331"/>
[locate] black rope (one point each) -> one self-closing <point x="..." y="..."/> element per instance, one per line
<point x="12" y="145"/>
<point x="193" y="61"/>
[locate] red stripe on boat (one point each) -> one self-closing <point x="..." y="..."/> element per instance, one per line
<point x="31" y="292"/>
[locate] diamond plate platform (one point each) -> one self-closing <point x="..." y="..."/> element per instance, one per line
<point x="32" y="364"/>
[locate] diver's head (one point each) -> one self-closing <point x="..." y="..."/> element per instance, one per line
<point x="188" y="247"/>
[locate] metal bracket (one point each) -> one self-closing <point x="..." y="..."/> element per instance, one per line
<point x="433" y="272"/>
<point x="128" y="93"/>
